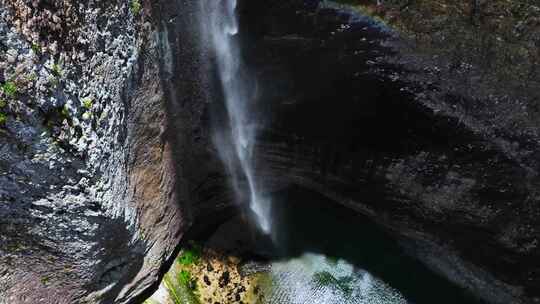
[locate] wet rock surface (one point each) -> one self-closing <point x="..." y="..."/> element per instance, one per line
<point x="106" y="155"/>
<point x="213" y="270"/>
<point x="64" y="238"/>
<point x="361" y="118"/>
<point x="97" y="142"/>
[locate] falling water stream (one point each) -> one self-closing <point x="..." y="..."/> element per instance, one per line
<point x="236" y="144"/>
<point x="295" y="279"/>
<point x="311" y="274"/>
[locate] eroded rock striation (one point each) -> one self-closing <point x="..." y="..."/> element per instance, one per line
<point x="426" y="147"/>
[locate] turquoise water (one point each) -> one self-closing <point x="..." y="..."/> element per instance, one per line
<point x="330" y="255"/>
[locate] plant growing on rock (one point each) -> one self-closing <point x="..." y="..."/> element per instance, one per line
<point x="57" y="70"/>
<point x="3" y="116"/>
<point x="135" y="6"/>
<point x="65" y="112"/>
<point x="45" y="280"/>
<point x="53" y="82"/>
<point x="3" y="119"/>
<point x="36" y="48"/>
<point x="184" y="277"/>
<point x="87" y="103"/>
<point x="181" y="293"/>
<point x="10" y="89"/>
<point x="190" y="256"/>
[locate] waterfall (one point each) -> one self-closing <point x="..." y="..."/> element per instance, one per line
<point x="236" y="143"/>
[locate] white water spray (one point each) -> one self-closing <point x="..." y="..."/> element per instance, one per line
<point x="235" y="148"/>
<point x="314" y="278"/>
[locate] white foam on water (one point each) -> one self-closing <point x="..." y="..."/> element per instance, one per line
<point x="315" y="279"/>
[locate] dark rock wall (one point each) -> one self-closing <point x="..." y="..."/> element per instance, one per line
<point x="359" y="117"/>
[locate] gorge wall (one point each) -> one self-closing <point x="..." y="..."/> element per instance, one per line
<point x="107" y="159"/>
<point x="102" y="139"/>
<point x="446" y="162"/>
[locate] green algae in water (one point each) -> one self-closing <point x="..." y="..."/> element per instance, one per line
<point x="180" y="292"/>
<point x="326" y="279"/>
<point x="263" y="285"/>
<point x="312" y="278"/>
<point x="185" y="278"/>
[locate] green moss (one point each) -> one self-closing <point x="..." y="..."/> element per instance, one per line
<point x="135" y="6"/>
<point x="57" y="70"/>
<point x="53" y="82"/>
<point x="190" y="256"/>
<point x="179" y="292"/>
<point x="87" y="103"/>
<point x="10" y="89"/>
<point x="3" y="103"/>
<point x="184" y="277"/>
<point x="65" y="112"/>
<point x="36" y="48"/>
<point x="3" y="119"/>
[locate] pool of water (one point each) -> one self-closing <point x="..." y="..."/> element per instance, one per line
<point x="327" y="254"/>
<point x="316" y="278"/>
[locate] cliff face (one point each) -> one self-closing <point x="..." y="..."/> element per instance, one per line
<point x="449" y="164"/>
<point x="101" y="130"/>
<point x="106" y="157"/>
